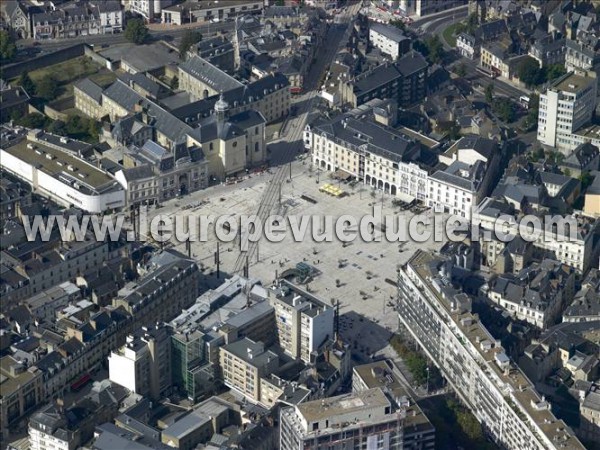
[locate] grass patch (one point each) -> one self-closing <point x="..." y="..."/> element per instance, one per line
<point x="68" y="72"/>
<point x="450" y="32"/>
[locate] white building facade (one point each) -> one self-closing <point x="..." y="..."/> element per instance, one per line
<point x="473" y="362"/>
<point x="388" y="164"/>
<point x="564" y="108"/>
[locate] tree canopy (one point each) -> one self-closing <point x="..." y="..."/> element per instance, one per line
<point x="189" y="39"/>
<point x="136" y="31"/>
<point x="8" y="49"/>
<point x="489" y="93"/>
<point x="504" y="109"/>
<point x="27" y="83"/>
<point x="530" y="73"/>
<point x="47" y="88"/>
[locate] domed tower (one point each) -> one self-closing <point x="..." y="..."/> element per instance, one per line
<point x="221" y="109"/>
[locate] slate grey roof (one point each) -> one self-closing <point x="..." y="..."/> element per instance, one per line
<point x="462" y="175"/>
<point x="239" y="96"/>
<point x="209" y="74"/>
<point x="90" y="88"/>
<point x="583" y="155"/>
<point x="392" y="33"/>
<point x="108" y="6"/>
<point x="406" y="66"/>
<point x="236" y="125"/>
<point x="382" y="141"/>
<point x="411" y="63"/>
<point x="244" y="346"/>
<point x="112" y="437"/>
<point x="376" y="78"/>
<point x="138" y="173"/>
<point x="491" y="30"/>
<point x="142" y="58"/>
<point x="164" y="121"/>
<point x="537" y="285"/>
<point x="518" y="191"/>
<point x="186" y="425"/>
<point x="143" y="81"/>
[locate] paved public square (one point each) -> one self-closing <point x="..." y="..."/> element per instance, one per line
<point x="354" y="273"/>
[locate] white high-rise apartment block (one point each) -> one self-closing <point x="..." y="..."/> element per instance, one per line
<point x="129" y="366"/>
<point x="143" y="364"/>
<point x="566" y="107"/>
<point x="304" y="323"/>
<point x="473" y="361"/>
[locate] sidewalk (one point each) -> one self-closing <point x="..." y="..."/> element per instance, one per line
<point x="172" y="26"/>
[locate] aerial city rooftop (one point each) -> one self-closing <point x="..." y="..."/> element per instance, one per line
<point x="137" y="113"/>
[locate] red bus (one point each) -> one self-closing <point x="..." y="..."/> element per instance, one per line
<point x="85" y="379"/>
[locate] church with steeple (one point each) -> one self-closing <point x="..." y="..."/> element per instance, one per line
<point x="231" y="143"/>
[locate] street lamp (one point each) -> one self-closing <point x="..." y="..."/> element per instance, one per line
<point x="427" y="369"/>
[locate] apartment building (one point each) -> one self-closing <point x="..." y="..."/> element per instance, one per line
<point x="143" y="364"/>
<point x="473" y="362"/>
<point x="418" y="432"/>
<point x="585" y="306"/>
<point x="467" y="45"/>
<point x="423" y="8"/>
<point x="225" y="9"/>
<point x="367" y="419"/>
<point x="565" y="107"/>
<point x="568" y="239"/>
<point x="548" y="52"/>
<point x="304" y="323"/>
<point x="403" y="81"/>
<point x="149" y="9"/>
<point x="457" y="188"/>
<point x="149" y="300"/>
<point x="111" y="16"/>
<point x="581" y="54"/>
<point x="22" y="387"/>
<point x="389" y="39"/>
<point x="39" y="267"/>
<point x="55" y="427"/>
<point x="243" y="363"/>
<point x="84" y="346"/>
<point x="43" y="305"/>
<point x="381" y="157"/>
<point x="66" y="23"/>
<point x="538" y="294"/>
<point x="590" y="415"/>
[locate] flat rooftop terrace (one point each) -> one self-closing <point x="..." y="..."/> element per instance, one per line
<point x="56" y="163"/>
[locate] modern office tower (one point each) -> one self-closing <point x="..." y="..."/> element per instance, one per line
<point x="564" y="108"/>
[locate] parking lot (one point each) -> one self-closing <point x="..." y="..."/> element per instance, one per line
<point x="359" y="274"/>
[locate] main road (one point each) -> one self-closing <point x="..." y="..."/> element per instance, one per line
<point x="157" y="32"/>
